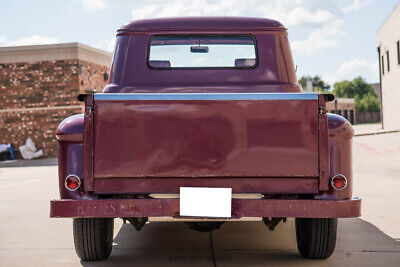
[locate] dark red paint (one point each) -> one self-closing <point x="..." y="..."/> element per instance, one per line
<point x="240" y="208"/>
<point x="340" y="155"/>
<point x="207" y="24"/>
<point x="263" y="138"/>
<point x="275" y="71"/>
<point x="270" y="185"/>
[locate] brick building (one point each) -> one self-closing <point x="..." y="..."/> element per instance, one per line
<point x="344" y="107"/>
<point x="39" y="85"/>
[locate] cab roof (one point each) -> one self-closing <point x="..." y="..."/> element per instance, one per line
<point x="194" y="24"/>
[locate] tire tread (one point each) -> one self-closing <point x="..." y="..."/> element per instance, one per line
<point x="316" y="237"/>
<point x="93" y="238"/>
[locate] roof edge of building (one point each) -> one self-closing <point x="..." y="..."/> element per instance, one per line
<point x="50" y="52"/>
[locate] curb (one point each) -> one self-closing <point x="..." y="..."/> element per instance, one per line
<point x="374" y="133"/>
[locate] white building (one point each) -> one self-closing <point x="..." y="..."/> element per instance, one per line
<point x="389" y="55"/>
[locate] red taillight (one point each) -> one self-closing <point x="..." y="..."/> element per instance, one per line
<point x="339" y="182"/>
<point x="72" y="182"/>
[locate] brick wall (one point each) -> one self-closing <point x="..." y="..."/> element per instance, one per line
<point x="344" y="107"/>
<point x="92" y="78"/>
<point x="39" y="84"/>
<point x="36" y="97"/>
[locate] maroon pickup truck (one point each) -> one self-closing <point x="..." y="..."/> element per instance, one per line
<point x="202" y="121"/>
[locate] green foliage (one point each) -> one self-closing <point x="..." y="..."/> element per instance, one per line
<point x="351" y="89"/>
<point x="368" y="102"/>
<point x="318" y="84"/>
<point x="362" y="92"/>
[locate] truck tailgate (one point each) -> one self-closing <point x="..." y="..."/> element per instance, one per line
<point x="205" y="135"/>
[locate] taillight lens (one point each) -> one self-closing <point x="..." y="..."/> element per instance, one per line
<point x="339" y="182"/>
<point x="72" y="182"/>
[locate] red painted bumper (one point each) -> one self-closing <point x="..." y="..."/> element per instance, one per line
<point x="240" y="208"/>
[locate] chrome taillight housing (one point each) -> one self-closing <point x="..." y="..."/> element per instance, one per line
<point x="339" y="182"/>
<point x="72" y="182"/>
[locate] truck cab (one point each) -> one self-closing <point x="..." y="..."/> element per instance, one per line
<point x="202" y="121"/>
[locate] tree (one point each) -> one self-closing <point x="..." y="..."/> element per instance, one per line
<point x="318" y="84"/>
<point x="368" y="103"/>
<point x="362" y="92"/>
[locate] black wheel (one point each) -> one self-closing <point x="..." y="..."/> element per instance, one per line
<point x="316" y="238"/>
<point x="93" y="238"/>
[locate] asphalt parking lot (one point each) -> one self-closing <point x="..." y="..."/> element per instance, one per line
<point x="28" y="237"/>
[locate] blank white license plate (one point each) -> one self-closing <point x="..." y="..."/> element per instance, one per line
<point x="206" y="202"/>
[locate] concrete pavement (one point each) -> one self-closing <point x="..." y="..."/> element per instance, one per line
<point x="367" y="128"/>
<point x="28" y="237"/>
<point x="370" y="129"/>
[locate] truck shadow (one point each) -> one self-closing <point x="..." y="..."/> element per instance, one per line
<point x="246" y="244"/>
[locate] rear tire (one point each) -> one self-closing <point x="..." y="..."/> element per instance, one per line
<point x="316" y="238"/>
<point x="93" y="238"/>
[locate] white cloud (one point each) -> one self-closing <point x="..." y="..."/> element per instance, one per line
<point x="323" y="19"/>
<point x="302" y="16"/>
<point x="352" y="69"/>
<point x="319" y="40"/>
<point x="105" y="44"/>
<point x="186" y="8"/>
<point x="93" y="4"/>
<point x="355" y="4"/>
<point x="289" y="12"/>
<point x="31" y="40"/>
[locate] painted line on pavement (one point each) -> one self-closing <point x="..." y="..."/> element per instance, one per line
<point x="373" y="150"/>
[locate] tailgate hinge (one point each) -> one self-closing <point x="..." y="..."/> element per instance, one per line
<point x="322" y="110"/>
<point x="90" y="110"/>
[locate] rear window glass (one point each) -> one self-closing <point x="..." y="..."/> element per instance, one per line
<point x="167" y="52"/>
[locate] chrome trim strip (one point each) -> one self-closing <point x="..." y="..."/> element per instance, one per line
<point x="206" y="96"/>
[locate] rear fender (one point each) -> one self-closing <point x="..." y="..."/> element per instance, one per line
<point x="70" y="146"/>
<point x="340" y="134"/>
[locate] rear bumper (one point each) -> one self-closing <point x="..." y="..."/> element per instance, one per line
<point x="113" y="208"/>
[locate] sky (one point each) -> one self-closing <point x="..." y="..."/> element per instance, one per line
<point x="335" y="39"/>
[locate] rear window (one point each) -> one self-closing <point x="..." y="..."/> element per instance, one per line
<point x="167" y="52"/>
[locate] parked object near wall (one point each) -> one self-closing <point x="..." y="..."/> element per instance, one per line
<point x="6" y="152"/>
<point x="28" y="151"/>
